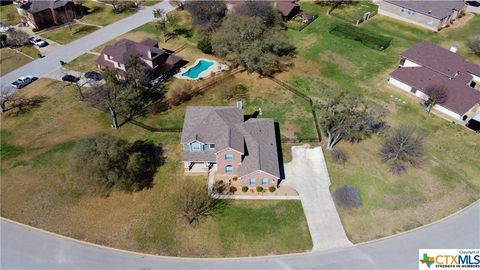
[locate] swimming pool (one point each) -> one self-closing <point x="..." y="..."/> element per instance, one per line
<point x="200" y="67"/>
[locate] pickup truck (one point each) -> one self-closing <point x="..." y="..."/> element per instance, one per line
<point x="23" y="81"/>
<point x="38" y="41"/>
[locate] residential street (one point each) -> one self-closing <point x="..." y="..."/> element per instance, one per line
<point x="50" y="63"/>
<point x="307" y="173"/>
<point x="26" y="248"/>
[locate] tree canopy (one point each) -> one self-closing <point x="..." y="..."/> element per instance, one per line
<point x="105" y="162"/>
<point x="437" y="94"/>
<point x="206" y="14"/>
<point x="347" y="116"/>
<point x="263" y="10"/>
<point x="246" y="41"/>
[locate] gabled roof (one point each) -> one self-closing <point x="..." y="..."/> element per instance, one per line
<point x="286" y="6"/>
<point x="435" y="9"/>
<point x="34" y="6"/>
<point x="212" y="125"/>
<point x="261" y="147"/>
<point x="439" y="66"/>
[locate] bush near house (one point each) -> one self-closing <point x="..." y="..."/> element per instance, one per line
<point x="272" y="189"/>
<point x="244" y="189"/>
<point x="259" y="189"/>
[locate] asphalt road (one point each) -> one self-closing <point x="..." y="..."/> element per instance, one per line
<point x="51" y="62"/>
<point x="26" y="248"/>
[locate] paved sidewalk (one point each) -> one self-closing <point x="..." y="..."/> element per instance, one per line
<point x="307" y="173"/>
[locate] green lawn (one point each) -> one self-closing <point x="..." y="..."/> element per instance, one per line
<point x="446" y="180"/>
<point x="83" y="63"/>
<point x="9" y="60"/>
<point x="102" y="14"/>
<point x="9" y="14"/>
<point x="352" y="13"/>
<point x="39" y="188"/>
<point x="151" y="2"/>
<point x="67" y="34"/>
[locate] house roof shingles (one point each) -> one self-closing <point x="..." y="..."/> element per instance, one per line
<point x="34" y="6"/>
<point x="225" y="127"/>
<point x="286" y="6"/>
<point x="439" y="66"/>
<point x="124" y="48"/>
<point x="435" y="9"/>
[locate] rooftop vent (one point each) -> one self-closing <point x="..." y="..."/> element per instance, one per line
<point x="430" y="11"/>
<point x="454" y="48"/>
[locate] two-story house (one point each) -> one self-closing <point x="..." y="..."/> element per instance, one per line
<point x="426" y="64"/>
<point x="40" y="14"/>
<point x="160" y="61"/>
<point x="433" y="15"/>
<point x="243" y="149"/>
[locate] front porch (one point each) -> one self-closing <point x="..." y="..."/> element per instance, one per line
<point x="197" y="168"/>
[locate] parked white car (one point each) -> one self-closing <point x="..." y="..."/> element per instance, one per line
<point x="38" y="41"/>
<point x="23" y="81"/>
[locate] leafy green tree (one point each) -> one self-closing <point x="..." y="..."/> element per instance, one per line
<point x="104" y="162"/>
<point x="206" y="14"/>
<point x="347" y="116"/>
<point x="246" y="41"/>
<point x="164" y="22"/>
<point x="205" y="45"/>
<point x="263" y="10"/>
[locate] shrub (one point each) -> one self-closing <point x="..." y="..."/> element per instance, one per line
<point x="347" y="197"/>
<point x="178" y="97"/>
<point x="244" y="189"/>
<point x="236" y="92"/>
<point x="259" y="189"/>
<point x="219" y="187"/>
<point x="232" y="189"/>
<point x="474" y="45"/>
<point x="339" y="156"/>
<point x="272" y="189"/>
<point x="204" y="45"/>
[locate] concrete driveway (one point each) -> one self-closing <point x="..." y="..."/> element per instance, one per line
<point x="307" y="173"/>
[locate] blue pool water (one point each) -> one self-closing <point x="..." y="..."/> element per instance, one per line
<point x="200" y="67"/>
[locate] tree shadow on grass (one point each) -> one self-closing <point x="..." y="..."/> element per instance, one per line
<point x="150" y="157"/>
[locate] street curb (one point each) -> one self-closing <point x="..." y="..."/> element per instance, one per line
<point x="143" y="255"/>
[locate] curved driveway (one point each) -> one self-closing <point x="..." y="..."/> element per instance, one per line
<point x="25" y="248"/>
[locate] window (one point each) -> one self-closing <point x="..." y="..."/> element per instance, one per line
<point x="186" y="147"/>
<point x="212" y="146"/>
<point x="196" y="147"/>
<point x="228" y="156"/>
<point x="265" y="181"/>
<point x="252" y="181"/>
<point x="403" y="10"/>
<point x="413" y="90"/>
<point x="228" y="169"/>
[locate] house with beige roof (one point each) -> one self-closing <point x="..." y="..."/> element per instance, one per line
<point x="433" y="15"/>
<point x="426" y="64"/>
<point x="242" y="149"/>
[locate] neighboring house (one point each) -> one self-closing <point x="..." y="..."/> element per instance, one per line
<point x="287" y="8"/>
<point x="161" y="62"/>
<point x="40" y="14"/>
<point x="433" y="15"/>
<point x="246" y="150"/>
<point x="427" y="64"/>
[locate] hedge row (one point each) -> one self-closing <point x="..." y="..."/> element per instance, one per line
<point x="367" y="38"/>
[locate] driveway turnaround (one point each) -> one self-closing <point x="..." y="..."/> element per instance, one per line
<point x="24" y="247"/>
<point x="307" y="173"/>
<point x="51" y="62"/>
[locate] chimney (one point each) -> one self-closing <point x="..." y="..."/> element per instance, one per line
<point x="454" y="48"/>
<point x="240" y="104"/>
<point x="150" y="56"/>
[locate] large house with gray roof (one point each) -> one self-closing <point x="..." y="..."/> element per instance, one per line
<point x="426" y="64"/>
<point x="220" y="137"/>
<point x="433" y="15"/>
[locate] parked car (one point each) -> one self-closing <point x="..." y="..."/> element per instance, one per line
<point x="38" y="41"/>
<point x="70" y="78"/>
<point x="23" y="81"/>
<point x="93" y="75"/>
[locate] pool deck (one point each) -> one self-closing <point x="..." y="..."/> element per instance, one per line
<point x="216" y="68"/>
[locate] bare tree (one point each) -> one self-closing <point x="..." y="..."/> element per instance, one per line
<point x="474" y="45"/>
<point x="11" y="100"/>
<point x="333" y="4"/>
<point x="437" y="94"/>
<point x="195" y="203"/>
<point x="107" y="96"/>
<point x="6" y="97"/>
<point x="68" y="17"/>
<point x="401" y="148"/>
<point x="163" y="22"/>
